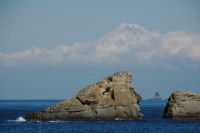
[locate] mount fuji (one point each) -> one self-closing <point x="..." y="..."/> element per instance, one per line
<point x="130" y="28"/>
<point x="127" y="44"/>
<point x="124" y="33"/>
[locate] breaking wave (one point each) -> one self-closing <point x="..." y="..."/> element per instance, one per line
<point x="19" y="119"/>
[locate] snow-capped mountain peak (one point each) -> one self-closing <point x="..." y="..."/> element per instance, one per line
<point x="123" y="32"/>
<point x="133" y="28"/>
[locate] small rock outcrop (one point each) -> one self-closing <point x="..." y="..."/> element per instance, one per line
<point x="112" y="98"/>
<point x="183" y="105"/>
<point x="157" y="96"/>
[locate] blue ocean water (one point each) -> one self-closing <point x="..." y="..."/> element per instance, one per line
<point x="13" y="111"/>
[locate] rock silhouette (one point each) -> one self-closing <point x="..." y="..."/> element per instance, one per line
<point x="157" y="96"/>
<point x="112" y="98"/>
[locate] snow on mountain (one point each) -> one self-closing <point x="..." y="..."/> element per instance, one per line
<point x="127" y="44"/>
<point x="123" y="33"/>
<point x="132" y="28"/>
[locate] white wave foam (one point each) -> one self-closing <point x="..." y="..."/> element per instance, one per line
<point x="54" y="121"/>
<point x="19" y="119"/>
<point x="117" y="119"/>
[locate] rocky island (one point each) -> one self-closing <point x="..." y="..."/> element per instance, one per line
<point x="183" y="105"/>
<point x="156" y="97"/>
<point x="112" y="98"/>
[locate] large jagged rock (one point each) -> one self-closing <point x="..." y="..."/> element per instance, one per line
<point x="112" y="98"/>
<point x="183" y="105"/>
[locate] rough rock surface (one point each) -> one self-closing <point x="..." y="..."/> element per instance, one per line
<point x="183" y="105"/>
<point x="112" y="98"/>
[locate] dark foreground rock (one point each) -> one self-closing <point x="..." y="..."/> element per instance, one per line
<point x="112" y="98"/>
<point x="183" y="105"/>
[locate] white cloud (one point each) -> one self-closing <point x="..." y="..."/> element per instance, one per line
<point x="123" y="46"/>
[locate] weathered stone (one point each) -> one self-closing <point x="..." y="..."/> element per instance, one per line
<point x="112" y="98"/>
<point x="183" y="105"/>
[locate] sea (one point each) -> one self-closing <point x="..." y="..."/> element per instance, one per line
<point x="12" y="113"/>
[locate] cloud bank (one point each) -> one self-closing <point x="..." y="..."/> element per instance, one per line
<point x="126" y="45"/>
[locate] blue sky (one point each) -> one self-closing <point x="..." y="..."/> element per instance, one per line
<point x="52" y="49"/>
